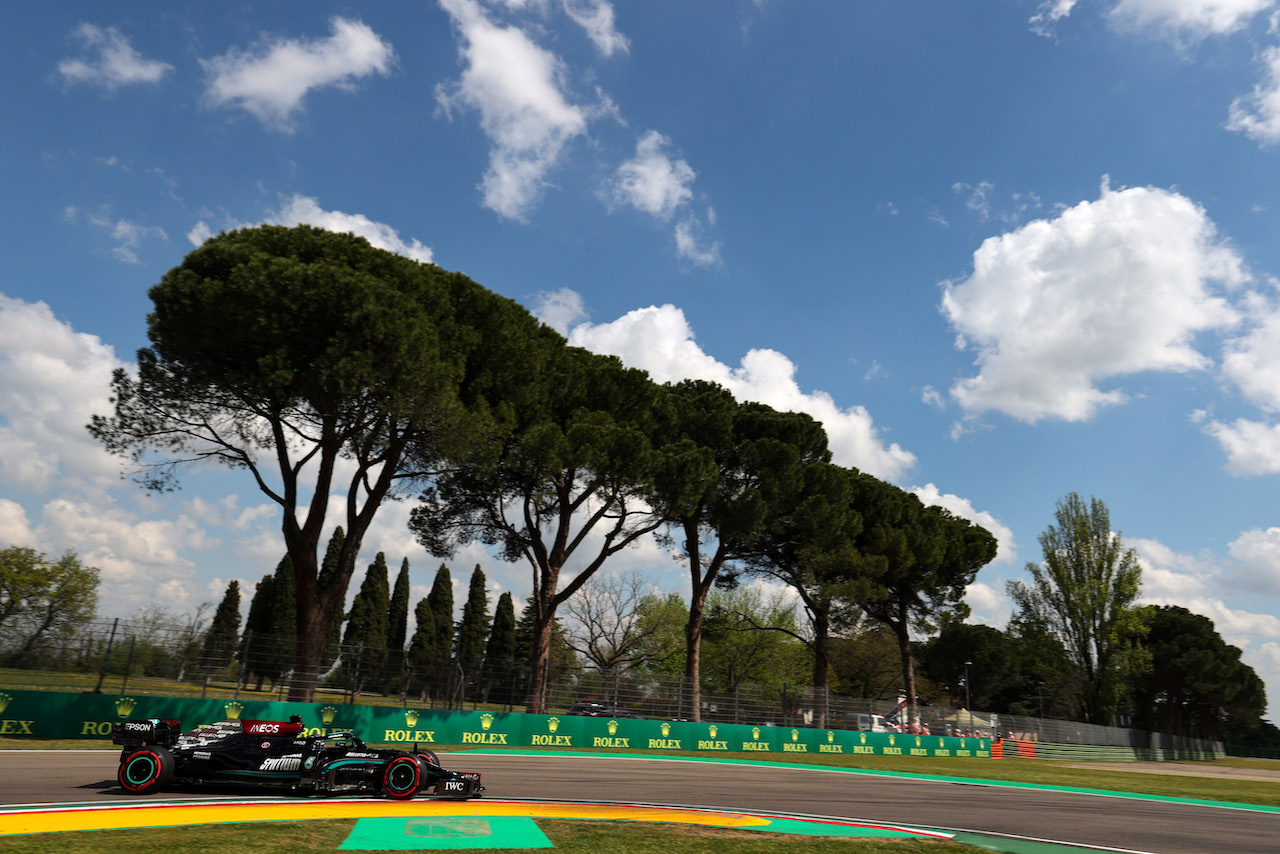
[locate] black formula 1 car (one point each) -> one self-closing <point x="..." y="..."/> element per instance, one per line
<point x="273" y="754"/>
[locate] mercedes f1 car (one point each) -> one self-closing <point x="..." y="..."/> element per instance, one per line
<point x="156" y="754"/>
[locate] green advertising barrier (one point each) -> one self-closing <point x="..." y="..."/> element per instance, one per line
<point x="46" y="714"/>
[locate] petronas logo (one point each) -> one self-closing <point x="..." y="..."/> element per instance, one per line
<point x="486" y="721"/>
<point x="327" y="714"/>
<point x="553" y="724"/>
<point x="666" y="729"/>
<point x="125" y="706"/>
<point x="411" y="717"/>
<point x="613" y="727"/>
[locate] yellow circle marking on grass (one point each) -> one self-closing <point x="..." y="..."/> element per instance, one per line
<point x="51" y="820"/>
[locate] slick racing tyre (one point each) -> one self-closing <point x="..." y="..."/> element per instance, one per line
<point x="402" y="778"/>
<point x="145" y="770"/>
<point x="431" y="758"/>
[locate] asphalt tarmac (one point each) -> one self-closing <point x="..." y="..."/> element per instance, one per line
<point x="1110" y="823"/>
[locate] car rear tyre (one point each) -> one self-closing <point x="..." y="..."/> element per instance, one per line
<point x="402" y="777"/>
<point x="145" y="770"/>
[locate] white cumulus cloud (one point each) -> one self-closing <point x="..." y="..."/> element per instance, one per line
<point x="52" y="379"/>
<point x="1259" y="554"/>
<point x="653" y="181"/>
<point x="659" y="340"/>
<point x="125" y="234"/>
<point x="517" y="88"/>
<point x="1187" y="18"/>
<point x="305" y="210"/>
<point x="271" y="79"/>
<point x="1109" y="288"/>
<point x="300" y="210"/>
<point x="1257" y="115"/>
<point x="113" y="61"/>
<point x="596" y="18"/>
<point x="1252" y="447"/>
<point x="1007" y="546"/>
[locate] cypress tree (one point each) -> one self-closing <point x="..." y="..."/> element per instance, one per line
<point x="255" y="646"/>
<point x="420" y="658"/>
<point x="499" y="674"/>
<point x="398" y="627"/>
<point x="224" y="633"/>
<point x="328" y="571"/>
<point x="441" y="601"/>
<point x="364" y="646"/>
<point x="473" y="630"/>
<point x="431" y="651"/>
<point x="283" y="631"/>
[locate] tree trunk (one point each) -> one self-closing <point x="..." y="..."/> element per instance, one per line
<point x="903" y="631"/>
<point x="693" y="629"/>
<point x="535" y="703"/>
<point x="821" y="619"/>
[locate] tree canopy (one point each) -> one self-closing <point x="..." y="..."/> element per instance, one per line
<point x="42" y="601"/>
<point x="302" y="356"/>
<point x="1084" y="592"/>
<point x="570" y="483"/>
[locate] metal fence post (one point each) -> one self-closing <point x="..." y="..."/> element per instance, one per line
<point x="106" y="656"/>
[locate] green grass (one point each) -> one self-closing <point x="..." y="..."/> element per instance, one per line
<point x="569" y="837"/>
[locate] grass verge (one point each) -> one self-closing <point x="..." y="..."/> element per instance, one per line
<point x="569" y="837"/>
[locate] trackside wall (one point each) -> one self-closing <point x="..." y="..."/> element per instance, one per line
<point x="44" y="714"/>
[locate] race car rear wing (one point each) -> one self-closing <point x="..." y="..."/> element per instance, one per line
<point x="139" y="732"/>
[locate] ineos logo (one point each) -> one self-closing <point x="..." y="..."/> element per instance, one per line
<point x="265" y="729"/>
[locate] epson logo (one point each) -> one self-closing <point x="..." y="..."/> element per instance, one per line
<point x="137" y="727"/>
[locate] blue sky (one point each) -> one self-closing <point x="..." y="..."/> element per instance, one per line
<point x="1003" y="250"/>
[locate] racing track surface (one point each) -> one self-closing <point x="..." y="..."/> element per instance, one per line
<point x="1081" y="819"/>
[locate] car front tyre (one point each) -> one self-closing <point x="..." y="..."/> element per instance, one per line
<point x="402" y="778"/>
<point x="145" y="770"/>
